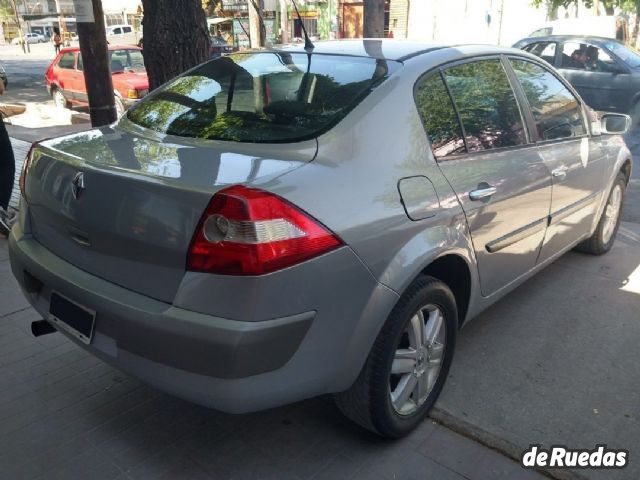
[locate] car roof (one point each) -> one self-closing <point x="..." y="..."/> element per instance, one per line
<point x="387" y="48"/>
<point x="563" y="38"/>
<point x="109" y="47"/>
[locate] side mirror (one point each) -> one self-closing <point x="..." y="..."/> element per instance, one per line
<point x="615" y="123"/>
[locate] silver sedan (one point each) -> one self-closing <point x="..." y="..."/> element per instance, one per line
<point x="281" y="224"/>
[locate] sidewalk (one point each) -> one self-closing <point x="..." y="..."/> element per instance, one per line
<point x="66" y="415"/>
<point x="556" y="361"/>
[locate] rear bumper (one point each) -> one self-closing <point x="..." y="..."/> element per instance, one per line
<point x="230" y="365"/>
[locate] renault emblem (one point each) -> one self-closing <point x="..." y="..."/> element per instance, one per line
<point x="77" y="185"/>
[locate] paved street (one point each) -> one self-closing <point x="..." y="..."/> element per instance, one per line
<point x="66" y="415"/>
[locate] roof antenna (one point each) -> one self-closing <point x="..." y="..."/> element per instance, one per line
<point x="308" y="45"/>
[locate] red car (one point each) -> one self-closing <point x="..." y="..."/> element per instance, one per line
<point x="65" y="78"/>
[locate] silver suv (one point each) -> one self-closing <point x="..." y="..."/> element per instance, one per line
<point x="281" y="224"/>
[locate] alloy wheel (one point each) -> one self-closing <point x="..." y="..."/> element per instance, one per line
<point x="418" y="360"/>
<point x="611" y="213"/>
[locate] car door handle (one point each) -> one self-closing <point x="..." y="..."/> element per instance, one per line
<point x="560" y="173"/>
<point x="482" y="193"/>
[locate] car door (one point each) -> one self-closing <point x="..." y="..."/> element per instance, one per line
<point x="600" y="80"/>
<point x="65" y="73"/>
<point x="479" y="139"/>
<point x="576" y="162"/>
<point x="78" y="82"/>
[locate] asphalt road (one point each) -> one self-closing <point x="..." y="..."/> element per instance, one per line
<point x="26" y="72"/>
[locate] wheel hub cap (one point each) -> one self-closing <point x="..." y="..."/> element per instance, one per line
<point x="417" y="360"/>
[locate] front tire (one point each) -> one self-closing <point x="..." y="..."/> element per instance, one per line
<point x="605" y="235"/>
<point x="408" y="364"/>
<point x="59" y="99"/>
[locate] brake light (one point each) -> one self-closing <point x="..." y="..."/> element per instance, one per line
<point x="25" y="168"/>
<point x="246" y="231"/>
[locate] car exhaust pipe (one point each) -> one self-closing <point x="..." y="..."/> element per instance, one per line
<point x="42" y="327"/>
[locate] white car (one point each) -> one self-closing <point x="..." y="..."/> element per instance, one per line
<point x="30" y="38"/>
<point x="122" y="35"/>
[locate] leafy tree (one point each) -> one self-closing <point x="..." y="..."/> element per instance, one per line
<point x="631" y="6"/>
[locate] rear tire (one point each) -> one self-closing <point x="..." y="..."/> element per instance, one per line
<point x="605" y="235"/>
<point x="399" y="384"/>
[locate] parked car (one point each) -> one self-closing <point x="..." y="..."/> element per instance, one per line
<point x="219" y="46"/>
<point x="606" y="26"/>
<point x="66" y="84"/>
<point x="122" y="35"/>
<point x="3" y="75"/>
<point x="29" y="38"/>
<point x="605" y="72"/>
<point x="275" y="225"/>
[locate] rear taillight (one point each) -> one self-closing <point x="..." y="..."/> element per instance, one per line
<point x="25" y="168"/>
<point x="246" y="231"/>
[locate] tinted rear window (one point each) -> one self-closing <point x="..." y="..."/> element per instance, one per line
<point x="262" y="97"/>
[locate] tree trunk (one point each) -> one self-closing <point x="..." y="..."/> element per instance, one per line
<point x="636" y="27"/>
<point x="373" y="19"/>
<point x="175" y="38"/>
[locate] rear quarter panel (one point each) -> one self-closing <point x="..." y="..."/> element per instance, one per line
<point x="352" y="185"/>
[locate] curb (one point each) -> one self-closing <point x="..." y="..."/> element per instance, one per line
<point x="496" y="443"/>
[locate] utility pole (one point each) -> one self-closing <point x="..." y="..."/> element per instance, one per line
<point x="95" y="60"/>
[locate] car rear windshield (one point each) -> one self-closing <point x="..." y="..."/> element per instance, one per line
<point x="262" y="97"/>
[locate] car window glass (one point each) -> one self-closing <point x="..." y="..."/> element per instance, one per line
<point x="67" y="61"/>
<point x="486" y="104"/>
<point x="262" y="97"/>
<point x="584" y="56"/>
<point x="439" y="117"/>
<point x="628" y="56"/>
<point x="555" y="109"/>
<point x="544" y="50"/>
<point x="126" y="29"/>
<point x="79" y="62"/>
<point x="116" y="31"/>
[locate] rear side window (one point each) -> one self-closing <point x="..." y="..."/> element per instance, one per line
<point x="439" y="117"/>
<point x="555" y="109"/>
<point x="486" y="104"/>
<point x="544" y="50"/>
<point x="262" y="97"/>
<point x="67" y="61"/>
<point x="126" y="29"/>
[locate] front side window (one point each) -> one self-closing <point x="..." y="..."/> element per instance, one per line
<point x="486" y="104"/>
<point x="262" y="97"/>
<point x="67" y="61"/>
<point x="555" y="109"/>
<point x="584" y="56"/>
<point x="544" y="50"/>
<point x="439" y="117"/>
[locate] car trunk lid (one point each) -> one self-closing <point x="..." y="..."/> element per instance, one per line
<point x="124" y="205"/>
